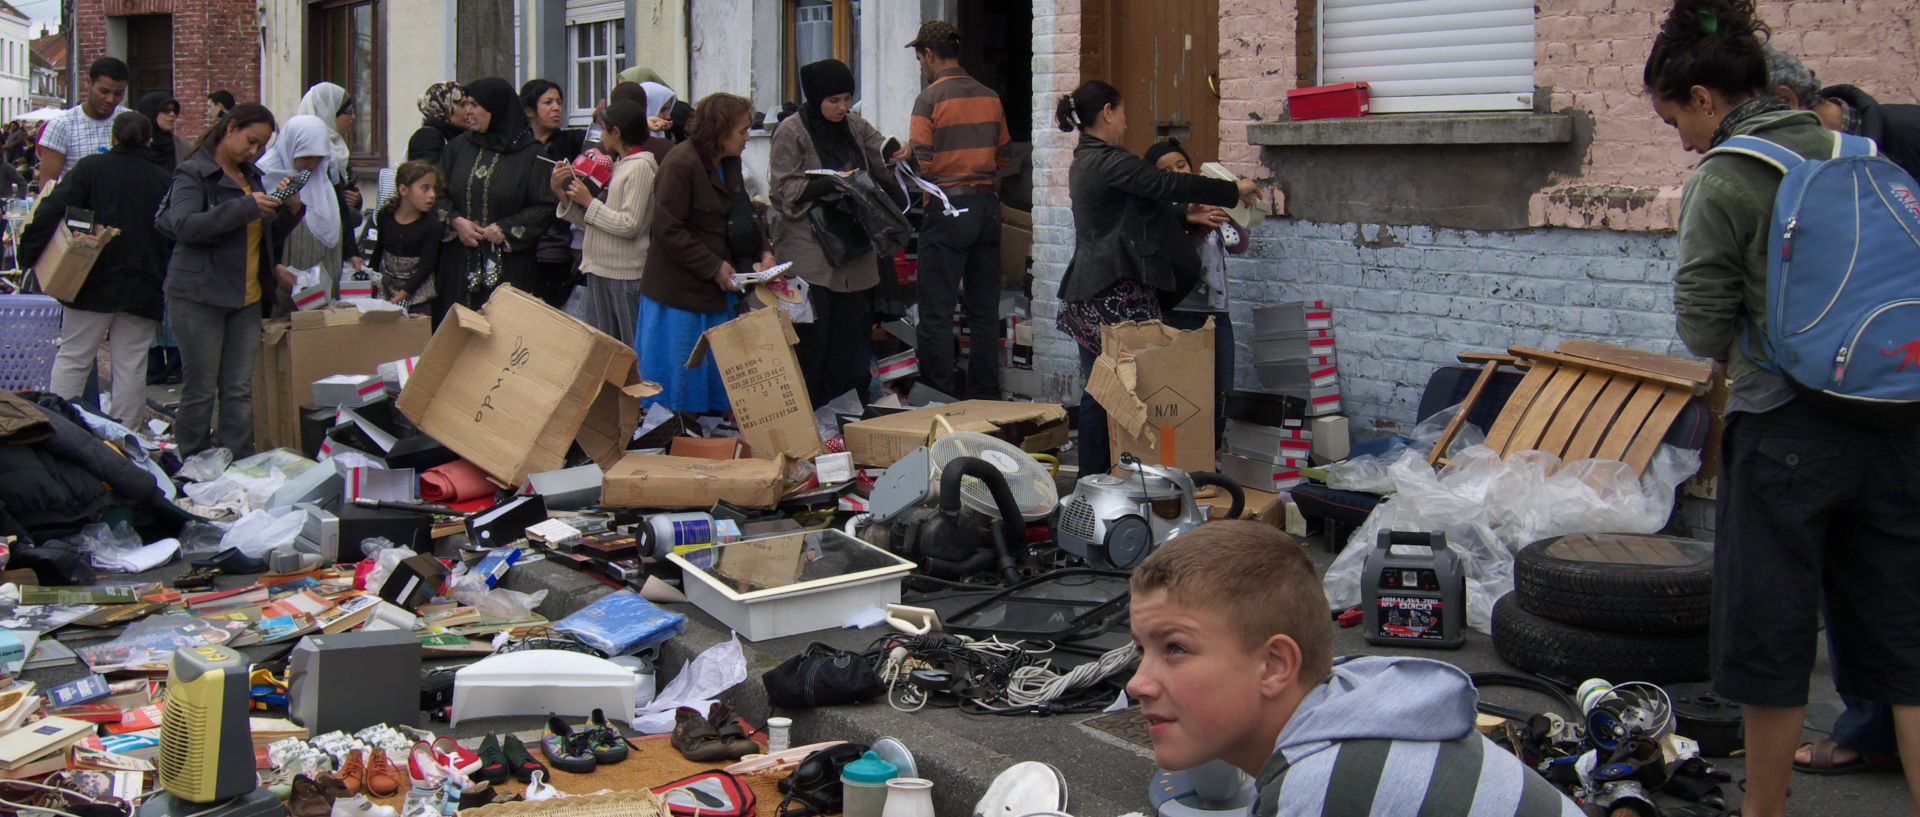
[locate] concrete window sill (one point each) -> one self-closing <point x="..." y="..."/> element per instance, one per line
<point x="1417" y="129"/>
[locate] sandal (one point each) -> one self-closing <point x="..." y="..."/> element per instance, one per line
<point x="1820" y="761"/>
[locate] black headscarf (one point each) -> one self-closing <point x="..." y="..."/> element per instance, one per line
<point x="160" y="149"/>
<point x="508" y="130"/>
<point x="832" y="140"/>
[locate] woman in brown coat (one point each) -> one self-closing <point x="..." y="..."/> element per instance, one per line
<point x="704" y="229"/>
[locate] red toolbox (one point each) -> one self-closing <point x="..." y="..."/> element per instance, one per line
<point x="1327" y="101"/>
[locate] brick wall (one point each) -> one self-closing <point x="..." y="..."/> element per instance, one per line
<point x="1056" y="71"/>
<point x="216" y="45"/>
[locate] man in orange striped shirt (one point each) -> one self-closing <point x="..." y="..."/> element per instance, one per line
<point x="958" y="141"/>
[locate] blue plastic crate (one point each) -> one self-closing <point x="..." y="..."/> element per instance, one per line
<point x="29" y="337"/>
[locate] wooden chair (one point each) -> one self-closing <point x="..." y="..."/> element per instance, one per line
<point x="1583" y="400"/>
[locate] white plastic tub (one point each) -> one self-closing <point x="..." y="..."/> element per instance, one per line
<point x="784" y="585"/>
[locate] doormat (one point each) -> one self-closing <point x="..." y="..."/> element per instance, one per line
<point x="1129" y="726"/>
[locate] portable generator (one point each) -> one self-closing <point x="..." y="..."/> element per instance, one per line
<point x="1414" y="600"/>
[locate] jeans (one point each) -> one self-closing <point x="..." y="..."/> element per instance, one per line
<point x="128" y="336"/>
<point x="956" y="253"/>
<point x="1222" y="359"/>
<point x="1096" y="454"/>
<point x="836" y="350"/>
<point x="217" y="349"/>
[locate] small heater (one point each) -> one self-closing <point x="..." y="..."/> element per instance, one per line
<point x="206" y="745"/>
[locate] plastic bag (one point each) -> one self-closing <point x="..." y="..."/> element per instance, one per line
<point x="715" y="670"/>
<point x="1489" y="509"/>
<point x="1367" y="474"/>
<point x="202" y="537"/>
<point x="220" y="494"/>
<point x="1427" y="433"/>
<point x="383" y="564"/>
<point x="621" y="622"/>
<point x="260" y="533"/>
<point x="207" y="465"/>
<point x="99" y="538"/>
<point x="470" y="589"/>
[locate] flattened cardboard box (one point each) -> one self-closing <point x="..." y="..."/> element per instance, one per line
<point x="1158" y="393"/>
<point x="882" y="441"/>
<point x="661" y="481"/>
<point x="764" y="384"/>
<point x="509" y="388"/>
<point x="307" y="346"/>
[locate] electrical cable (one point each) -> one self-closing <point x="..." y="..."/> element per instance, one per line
<point x="992" y="676"/>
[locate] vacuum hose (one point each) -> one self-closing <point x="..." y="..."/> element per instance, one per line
<point x="1232" y="488"/>
<point x="1014" y="524"/>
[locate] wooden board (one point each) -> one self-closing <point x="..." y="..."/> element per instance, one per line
<point x="1634" y="415"/>
<point x="1555" y="357"/>
<point x="1439" y="451"/>
<point x="1600" y="418"/>
<point x="1694" y="370"/>
<point x="1574" y="413"/>
<point x="1527" y="435"/>
<point x="1517" y="406"/>
<point x="1655" y="429"/>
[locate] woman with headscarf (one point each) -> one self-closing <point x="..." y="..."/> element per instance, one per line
<point x="498" y="201"/>
<point x="660" y="103"/>
<point x="168" y="147"/>
<point x="834" y="350"/>
<point x="322" y="236"/>
<point x="332" y="105"/>
<point x="443" y="116"/>
<point x="546" y="107"/>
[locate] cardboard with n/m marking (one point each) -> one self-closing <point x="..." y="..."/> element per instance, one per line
<point x="764" y="384"/>
<point x="511" y="387"/>
<point x="1156" y="383"/>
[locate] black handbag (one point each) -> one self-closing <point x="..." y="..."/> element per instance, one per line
<point x="824" y="675"/>
<point x="837" y="230"/>
<point x="815" y="784"/>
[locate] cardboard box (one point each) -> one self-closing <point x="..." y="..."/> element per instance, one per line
<point x="1330" y="438"/>
<point x="1261" y="475"/>
<point x="1261" y="506"/>
<point x="882" y="441"/>
<point x="710" y="448"/>
<point x="414" y="581"/>
<point x="510" y="388"/>
<point x="1159" y="404"/>
<point x="306" y="346"/>
<point x="64" y="265"/>
<point x="660" y="481"/>
<point x="1016" y="243"/>
<point x="764" y="384"/>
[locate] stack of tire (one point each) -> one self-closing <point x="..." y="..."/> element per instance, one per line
<point x="1625" y="607"/>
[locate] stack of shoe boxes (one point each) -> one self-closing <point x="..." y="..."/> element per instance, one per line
<point x="1275" y="431"/>
<point x="1293" y="353"/>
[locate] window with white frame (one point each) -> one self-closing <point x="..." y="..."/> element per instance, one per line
<point x="596" y="52"/>
<point x="1431" y="55"/>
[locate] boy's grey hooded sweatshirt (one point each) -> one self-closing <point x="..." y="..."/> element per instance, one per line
<point x="1395" y="736"/>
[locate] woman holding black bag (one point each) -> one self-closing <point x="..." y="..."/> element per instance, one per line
<point x="818" y="229"/>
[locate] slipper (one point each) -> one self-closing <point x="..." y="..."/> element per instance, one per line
<point x="1820" y="761"/>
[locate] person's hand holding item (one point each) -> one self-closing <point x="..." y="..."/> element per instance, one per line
<point x="904" y="153"/>
<point x="1205" y="215"/>
<point x="560" y="180"/>
<point x="724" y="278"/>
<point x="358" y="263"/>
<point x="295" y="205"/>
<point x="765" y="263"/>
<point x="1249" y="192"/>
<point x="467" y="231"/>
<point x="580" y="195"/>
<point x="352" y="195"/>
<point x="267" y="204"/>
<point x="283" y="276"/>
<point x="600" y="114"/>
<point x="400" y="297"/>
<point x="493" y="233"/>
<point x="657" y="124"/>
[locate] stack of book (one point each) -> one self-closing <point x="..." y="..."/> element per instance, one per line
<point x="1293" y="353"/>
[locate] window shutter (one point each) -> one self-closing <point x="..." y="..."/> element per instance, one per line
<point x="594" y="11"/>
<point x="1431" y="55"/>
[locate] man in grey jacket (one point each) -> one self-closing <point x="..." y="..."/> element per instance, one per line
<point x="1236" y="665"/>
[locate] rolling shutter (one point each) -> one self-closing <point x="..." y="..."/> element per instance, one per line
<point x="594" y="11"/>
<point x="1431" y="55"/>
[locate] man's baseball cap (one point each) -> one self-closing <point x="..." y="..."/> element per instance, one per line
<point x="935" y="32"/>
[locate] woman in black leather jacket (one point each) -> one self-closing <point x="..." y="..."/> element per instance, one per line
<point x="1131" y="255"/>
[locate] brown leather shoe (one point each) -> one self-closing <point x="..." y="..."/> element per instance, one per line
<point x="332" y="786"/>
<point x="353" y="773"/>
<point x="381" y="780"/>
<point x="727" y="726"/>
<point x="306" y="800"/>
<point x="696" y="739"/>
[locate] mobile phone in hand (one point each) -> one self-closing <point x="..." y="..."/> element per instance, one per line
<point x="294" y="183"/>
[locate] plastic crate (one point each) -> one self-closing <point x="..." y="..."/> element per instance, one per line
<point x="29" y="337"/>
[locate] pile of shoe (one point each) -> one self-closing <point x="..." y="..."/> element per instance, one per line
<point x="713" y="737"/>
<point x="581" y="749"/>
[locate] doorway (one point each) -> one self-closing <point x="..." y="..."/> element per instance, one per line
<point x="996" y="47"/>
<point x="1165" y="60"/>
<point x="149" y="55"/>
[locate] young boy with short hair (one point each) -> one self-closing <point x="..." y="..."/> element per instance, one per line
<point x="1237" y="664"/>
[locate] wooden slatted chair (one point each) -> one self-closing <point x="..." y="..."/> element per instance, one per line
<point x="1583" y="400"/>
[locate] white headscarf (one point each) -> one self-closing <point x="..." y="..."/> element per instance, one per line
<point x="306" y="135"/>
<point x="323" y="102"/>
<point x="660" y="99"/>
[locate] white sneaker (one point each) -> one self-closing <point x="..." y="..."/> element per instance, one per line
<point x="359" y="806"/>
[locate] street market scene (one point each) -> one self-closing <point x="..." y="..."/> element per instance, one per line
<point x="1065" y="408"/>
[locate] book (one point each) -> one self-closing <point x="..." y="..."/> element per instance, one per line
<point x="78" y="691"/>
<point x="252" y="596"/>
<point x="138" y="720"/>
<point x="39" y="739"/>
<point x="348" y="614"/>
<point x="97" y="713"/>
<point x="50" y="653"/>
<point x="448" y="645"/>
<point x="303" y="603"/>
<point x="90" y="594"/>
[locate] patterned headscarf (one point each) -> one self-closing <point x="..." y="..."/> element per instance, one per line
<point x="441" y="99"/>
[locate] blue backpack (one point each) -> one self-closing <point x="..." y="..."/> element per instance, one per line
<point x="1843" y="271"/>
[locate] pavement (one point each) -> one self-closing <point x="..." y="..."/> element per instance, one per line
<point x="1107" y="775"/>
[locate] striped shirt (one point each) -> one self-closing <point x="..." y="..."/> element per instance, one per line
<point x="76" y="135"/>
<point x="959" y="132"/>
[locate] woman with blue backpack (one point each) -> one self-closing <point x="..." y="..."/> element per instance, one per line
<point x="1811" y="306"/>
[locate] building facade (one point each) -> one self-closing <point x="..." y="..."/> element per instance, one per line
<point x="16" y="63"/>
<point x="47" y="55"/>
<point x="190" y="48"/>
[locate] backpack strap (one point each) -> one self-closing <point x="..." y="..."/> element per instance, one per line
<point x="1847" y="144"/>
<point x="1754" y="147"/>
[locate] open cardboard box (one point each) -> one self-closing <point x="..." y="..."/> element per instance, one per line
<point x="882" y="441"/>
<point x="307" y="346"/>
<point x="764" y="384"/>
<point x="1156" y="383"/>
<point x="511" y="387"/>
<point x="662" y="481"/>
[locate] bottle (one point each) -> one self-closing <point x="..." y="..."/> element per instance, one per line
<point x="909" y="797"/>
<point x="863" y="786"/>
<point x="779" y="735"/>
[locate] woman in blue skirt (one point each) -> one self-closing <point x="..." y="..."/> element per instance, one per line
<point x="704" y="230"/>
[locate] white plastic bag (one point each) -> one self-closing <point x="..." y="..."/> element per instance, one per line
<point x="207" y="465"/>
<point x="1489" y="509"/>
<point x="261" y="533"/>
<point x="471" y="589"/>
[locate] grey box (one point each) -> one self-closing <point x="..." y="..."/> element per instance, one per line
<point x="321" y="532"/>
<point x="569" y="489"/>
<point x="1268" y="443"/>
<point x="350" y="681"/>
<point x="1292" y="317"/>
<point x="1263" y="476"/>
<point x="1292" y="346"/>
<point x="321" y="484"/>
